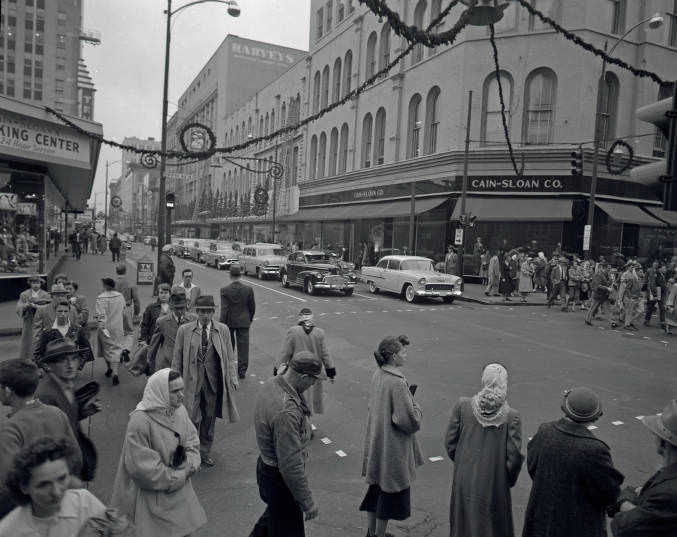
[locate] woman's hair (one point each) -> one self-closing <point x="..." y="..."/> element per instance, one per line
<point x="173" y="375"/>
<point x="42" y="450"/>
<point x="388" y="348"/>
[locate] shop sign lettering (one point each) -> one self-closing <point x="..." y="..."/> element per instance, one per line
<point x="368" y="194"/>
<point x="518" y="184"/>
<point x="242" y="50"/>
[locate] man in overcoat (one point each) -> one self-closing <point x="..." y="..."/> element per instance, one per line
<point x="204" y="356"/>
<point x="653" y="510"/>
<point x="237" y="313"/>
<point x="163" y="340"/>
<point x="574" y="479"/>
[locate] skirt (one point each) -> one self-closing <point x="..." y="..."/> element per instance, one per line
<point x="387" y="505"/>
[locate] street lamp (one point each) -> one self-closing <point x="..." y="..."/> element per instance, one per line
<point x="233" y="11"/>
<point x="105" y="208"/>
<point x="653" y="22"/>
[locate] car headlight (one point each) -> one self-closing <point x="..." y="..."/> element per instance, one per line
<point x="266" y="263"/>
<point x="422" y="281"/>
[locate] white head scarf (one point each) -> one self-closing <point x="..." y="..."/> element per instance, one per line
<point x="156" y="392"/>
<point x="489" y="405"/>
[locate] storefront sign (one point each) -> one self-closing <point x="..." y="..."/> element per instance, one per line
<point x="586" y="237"/>
<point x="267" y="55"/>
<point x="30" y="209"/>
<point x="517" y="184"/>
<point x="144" y="272"/>
<point x="458" y="238"/>
<point x="8" y="202"/>
<point x="369" y="194"/>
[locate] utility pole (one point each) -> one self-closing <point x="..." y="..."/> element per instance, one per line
<point x="464" y="185"/>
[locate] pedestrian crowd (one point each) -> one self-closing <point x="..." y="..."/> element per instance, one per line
<point x="195" y="363"/>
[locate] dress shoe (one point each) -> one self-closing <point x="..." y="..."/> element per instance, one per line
<point x="242" y="376"/>
<point x="207" y="460"/>
<point x="646" y="323"/>
<point x="116" y="380"/>
<point x="588" y="322"/>
<point x="631" y="328"/>
<point x="109" y="372"/>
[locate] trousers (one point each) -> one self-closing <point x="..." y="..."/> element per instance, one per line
<point x="596" y="304"/>
<point x="651" y="305"/>
<point x="116" y="255"/>
<point x="283" y="516"/>
<point x="239" y="338"/>
<point x="204" y="415"/>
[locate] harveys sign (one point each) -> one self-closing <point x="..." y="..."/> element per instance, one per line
<point x="266" y="55"/>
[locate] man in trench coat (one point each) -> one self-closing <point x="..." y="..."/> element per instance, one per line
<point x="204" y="356"/>
<point x="237" y="313"/>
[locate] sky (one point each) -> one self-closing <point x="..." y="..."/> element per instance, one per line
<point x="127" y="67"/>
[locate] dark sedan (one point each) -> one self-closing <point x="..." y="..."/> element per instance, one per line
<point x="316" y="271"/>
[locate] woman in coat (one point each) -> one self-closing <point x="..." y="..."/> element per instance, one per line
<point x="111" y="339"/>
<point x="391" y="450"/>
<point x="526" y="274"/>
<point x="484" y="439"/>
<point x="25" y="308"/>
<point x="159" y="455"/>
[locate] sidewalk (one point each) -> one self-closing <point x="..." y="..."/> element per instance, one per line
<point x="88" y="273"/>
<point x="473" y="292"/>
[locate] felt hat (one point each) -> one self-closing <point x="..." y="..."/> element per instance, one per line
<point x="306" y="363"/>
<point x="235" y="270"/>
<point x="35" y="278"/>
<point x="205" y="302"/>
<point x="58" y="289"/>
<point x="581" y="405"/>
<point x="665" y="425"/>
<point x="58" y="348"/>
<point x="178" y="299"/>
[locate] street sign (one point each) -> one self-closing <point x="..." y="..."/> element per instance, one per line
<point x="458" y="239"/>
<point x="116" y="202"/>
<point x="586" y="237"/>
<point x="29" y="209"/>
<point x="144" y="272"/>
<point x="8" y="201"/>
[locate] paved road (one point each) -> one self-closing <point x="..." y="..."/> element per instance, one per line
<point x="545" y="351"/>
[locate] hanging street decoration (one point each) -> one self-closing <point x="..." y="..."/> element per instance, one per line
<point x="116" y="202"/>
<point x="149" y="160"/>
<point x="619" y="157"/>
<point x="197" y="138"/>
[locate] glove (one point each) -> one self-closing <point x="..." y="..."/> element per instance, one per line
<point x="275" y="371"/>
<point x="331" y="372"/>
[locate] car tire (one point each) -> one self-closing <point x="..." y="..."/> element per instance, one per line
<point x="348" y="292"/>
<point x="309" y="287"/>
<point x="409" y="293"/>
<point x="244" y="269"/>
<point x="284" y="279"/>
<point x="259" y="274"/>
<point x="448" y="299"/>
<point x="372" y="288"/>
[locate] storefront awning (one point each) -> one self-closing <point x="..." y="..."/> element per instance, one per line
<point x="516" y="209"/>
<point x="628" y="214"/>
<point x="669" y="217"/>
<point x="390" y="209"/>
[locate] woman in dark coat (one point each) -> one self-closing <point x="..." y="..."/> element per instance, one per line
<point x="484" y="439"/>
<point x="505" y="285"/>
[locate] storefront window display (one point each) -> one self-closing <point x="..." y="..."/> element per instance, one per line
<point x="431" y="233"/>
<point x="309" y="234"/>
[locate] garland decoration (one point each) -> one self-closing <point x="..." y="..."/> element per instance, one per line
<point x="610" y="154"/>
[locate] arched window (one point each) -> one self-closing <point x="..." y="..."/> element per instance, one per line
<point x="316" y="92"/>
<point x="366" y="141"/>
<point x="419" y="12"/>
<point x="619" y="9"/>
<point x="336" y="91"/>
<point x="333" y="152"/>
<point x="380" y="136"/>
<point x="321" y="155"/>
<point x="343" y="150"/>
<point x="267" y="124"/>
<point x="608" y="107"/>
<point x="347" y="72"/>
<point x="370" y="66"/>
<point x="414" y="125"/>
<point x="539" y="106"/>
<point x="312" y="161"/>
<point x="243" y="133"/>
<point x="283" y="118"/>
<point x="261" y="125"/>
<point x="432" y="120"/>
<point x="492" y="123"/>
<point x="325" y="87"/>
<point x="272" y="121"/>
<point x="237" y="134"/>
<point x="435" y="10"/>
<point x="384" y="47"/>
<point x="249" y="126"/>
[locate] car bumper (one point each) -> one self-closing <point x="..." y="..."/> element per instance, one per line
<point x="270" y="271"/>
<point x="335" y="286"/>
<point x="226" y="264"/>
<point x="439" y="293"/>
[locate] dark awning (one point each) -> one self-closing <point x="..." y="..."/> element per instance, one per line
<point x="669" y="217"/>
<point x="628" y="214"/>
<point x="516" y="209"/>
<point x="389" y="209"/>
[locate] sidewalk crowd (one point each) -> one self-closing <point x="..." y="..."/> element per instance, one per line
<point x="195" y="364"/>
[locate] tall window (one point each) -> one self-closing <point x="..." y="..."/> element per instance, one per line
<point x="283" y="117"/>
<point x="347" y="72"/>
<point x="340" y="11"/>
<point x="414" y="127"/>
<point x="336" y="91"/>
<point x="366" y="141"/>
<point x="371" y="55"/>
<point x="343" y="149"/>
<point x="267" y="131"/>
<point x="380" y="136"/>
<point x="384" y="47"/>
<point x="316" y="92"/>
<point x="672" y="39"/>
<point x="608" y="107"/>
<point x="333" y="152"/>
<point x="312" y="161"/>
<point x="419" y="12"/>
<point x="492" y="123"/>
<point x="431" y="121"/>
<point x="321" y="155"/>
<point x="295" y="166"/>
<point x="325" y="87"/>
<point x="319" y="21"/>
<point x="618" y="11"/>
<point x="539" y="105"/>
<point x="435" y="10"/>
<point x="330" y="14"/>
<point x="551" y="8"/>
<point x="272" y="121"/>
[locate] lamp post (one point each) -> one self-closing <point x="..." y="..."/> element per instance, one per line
<point x="105" y="208"/>
<point x="233" y="11"/>
<point x="655" y="21"/>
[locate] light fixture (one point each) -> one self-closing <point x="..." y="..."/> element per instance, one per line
<point x="233" y="9"/>
<point x="484" y="12"/>
<point x="656" y="21"/>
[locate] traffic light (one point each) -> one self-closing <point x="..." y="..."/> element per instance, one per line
<point x="471" y="220"/>
<point x="577" y="162"/>
<point x="467" y="220"/>
<point x="170" y="200"/>
<point x="462" y="219"/>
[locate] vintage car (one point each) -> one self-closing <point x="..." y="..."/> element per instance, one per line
<point x="221" y="255"/>
<point x="412" y="277"/>
<point x="197" y="249"/>
<point x="180" y="247"/>
<point x="317" y="271"/>
<point x="262" y="259"/>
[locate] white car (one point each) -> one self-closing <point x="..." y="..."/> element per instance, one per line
<point x="263" y="260"/>
<point x="221" y="256"/>
<point x="412" y="277"/>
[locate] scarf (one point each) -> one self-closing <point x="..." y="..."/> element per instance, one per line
<point x="156" y="395"/>
<point x="307" y="324"/>
<point x="489" y="405"/>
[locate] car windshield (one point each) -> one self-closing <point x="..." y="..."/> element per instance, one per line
<point x="419" y="265"/>
<point x="318" y="258"/>
<point x="271" y="251"/>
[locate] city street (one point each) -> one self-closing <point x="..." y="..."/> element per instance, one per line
<point x="545" y="351"/>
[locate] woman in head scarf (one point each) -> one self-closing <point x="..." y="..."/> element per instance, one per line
<point x="484" y="439"/>
<point x="160" y="453"/>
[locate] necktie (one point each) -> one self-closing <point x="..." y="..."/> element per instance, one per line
<point x="205" y="342"/>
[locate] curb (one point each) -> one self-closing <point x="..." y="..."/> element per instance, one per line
<point x="487" y="303"/>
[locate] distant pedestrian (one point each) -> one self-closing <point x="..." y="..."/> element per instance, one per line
<point x="477" y="251"/>
<point x="101" y="243"/>
<point x="283" y="435"/>
<point x="110" y="307"/>
<point x="540" y="264"/>
<point x="558" y="282"/>
<point x="391" y="449"/>
<point x="574" y="279"/>
<point x="160" y="453"/>
<point x="305" y="336"/>
<point x="79" y="302"/>
<point x="192" y="291"/>
<point x="238" y="307"/>
<point x="505" y="285"/>
<point x="484" y="267"/>
<point x="651" y="510"/>
<point x="493" y="276"/>
<point x="574" y="479"/>
<point x="526" y="274"/>
<point x="114" y="245"/>
<point x="451" y="261"/>
<point x="629" y="294"/>
<point x="656" y="287"/>
<point x="484" y="439"/>
<point x="132" y="306"/>
<point x="29" y="300"/>
<point x="84" y="241"/>
<point x="600" y="289"/>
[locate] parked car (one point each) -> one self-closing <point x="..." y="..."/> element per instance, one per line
<point x="146" y="240"/>
<point x="220" y="256"/>
<point x="169" y="249"/>
<point x="263" y="259"/>
<point x="197" y="248"/>
<point x="181" y="247"/>
<point x="412" y="277"/>
<point x="318" y="271"/>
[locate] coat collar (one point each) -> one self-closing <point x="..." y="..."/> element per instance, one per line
<point x="393" y="370"/>
<point x="196" y="327"/>
<point x="293" y="394"/>
<point x="576" y="429"/>
<point x="666" y="474"/>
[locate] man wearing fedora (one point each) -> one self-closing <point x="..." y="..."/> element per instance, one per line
<point x="61" y="361"/>
<point x="204" y="357"/>
<point x="29" y="300"/>
<point x="237" y="313"/>
<point x="574" y="479"/>
<point x="44" y="316"/>
<point x="651" y="510"/>
<point x="163" y="339"/>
